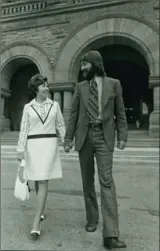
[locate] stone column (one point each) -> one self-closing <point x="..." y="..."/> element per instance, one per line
<point x="1" y="113"/>
<point x="67" y="88"/>
<point x="4" y="122"/>
<point x="154" y="117"/>
<point x="58" y="98"/>
<point x="67" y="102"/>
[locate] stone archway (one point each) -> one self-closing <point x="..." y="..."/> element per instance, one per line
<point x="133" y="32"/>
<point x="115" y="29"/>
<point x="28" y="51"/>
<point x="19" y="62"/>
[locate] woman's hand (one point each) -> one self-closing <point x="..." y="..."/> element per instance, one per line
<point x="68" y="145"/>
<point x="20" y="156"/>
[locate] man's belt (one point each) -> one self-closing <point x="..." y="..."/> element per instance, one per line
<point x="96" y="126"/>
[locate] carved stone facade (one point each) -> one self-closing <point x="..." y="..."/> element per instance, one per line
<point x="52" y="35"/>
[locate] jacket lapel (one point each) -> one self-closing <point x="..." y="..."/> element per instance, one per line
<point x="106" y="91"/>
<point x="85" y="92"/>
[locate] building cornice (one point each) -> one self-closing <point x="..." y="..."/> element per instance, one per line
<point x="154" y="81"/>
<point x="15" y="11"/>
<point x="62" y="86"/>
<point x="5" y="93"/>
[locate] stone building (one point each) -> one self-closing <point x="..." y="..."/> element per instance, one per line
<point x="50" y="36"/>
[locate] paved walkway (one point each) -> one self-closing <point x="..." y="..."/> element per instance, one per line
<point x="63" y="228"/>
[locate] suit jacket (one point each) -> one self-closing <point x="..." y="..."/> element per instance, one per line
<point x="112" y="105"/>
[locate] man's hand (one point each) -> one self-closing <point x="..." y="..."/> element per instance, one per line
<point x="121" y="145"/>
<point x="20" y="156"/>
<point x="68" y="145"/>
<point x="67" y="149"/>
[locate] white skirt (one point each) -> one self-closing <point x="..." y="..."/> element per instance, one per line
<point x="42" y="159"/>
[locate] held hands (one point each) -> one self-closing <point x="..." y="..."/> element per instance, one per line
<point x="67" y="149"/>
<point x="121" y="145"/>
<point x="67" y="145"/>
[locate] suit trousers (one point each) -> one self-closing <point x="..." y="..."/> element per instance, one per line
<point x="95" y="145"/>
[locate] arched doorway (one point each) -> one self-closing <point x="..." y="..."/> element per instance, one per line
<point x="19" y="62"/>
<point x="17" y="74"/>
<point x="112" y="29"/>
<point x="129" y="66"/>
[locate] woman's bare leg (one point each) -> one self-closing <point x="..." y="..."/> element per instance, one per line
<point x="36" y="187"/>
<point x="42" y="196"/>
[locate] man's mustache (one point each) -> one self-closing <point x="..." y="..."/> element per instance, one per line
<point x="85" y="71"/>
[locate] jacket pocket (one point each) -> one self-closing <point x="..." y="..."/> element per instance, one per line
<point x="112" y="96"/>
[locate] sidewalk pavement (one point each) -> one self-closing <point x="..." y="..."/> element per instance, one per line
<point x="63" y="229"/>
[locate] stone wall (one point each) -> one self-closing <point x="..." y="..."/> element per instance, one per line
<point x="50" y="31"/>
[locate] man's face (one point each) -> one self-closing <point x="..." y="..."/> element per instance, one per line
<point x="87" y="70"/>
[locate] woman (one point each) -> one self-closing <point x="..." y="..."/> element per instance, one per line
<point x="38" y="142"/>
<point x="50" y="95"/>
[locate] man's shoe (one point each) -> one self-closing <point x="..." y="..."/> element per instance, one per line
<point x="110" y="243"/>
<point x="90" y="227"/>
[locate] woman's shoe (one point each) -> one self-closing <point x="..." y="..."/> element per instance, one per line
<point x="42" y="217"/>
<point x="35" y="233"/>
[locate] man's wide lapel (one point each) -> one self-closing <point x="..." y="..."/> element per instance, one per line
<point x="85" y="92"/>
<point x="106" y="91"/>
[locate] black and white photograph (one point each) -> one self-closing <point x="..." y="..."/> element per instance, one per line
<point x="79" y="125"/>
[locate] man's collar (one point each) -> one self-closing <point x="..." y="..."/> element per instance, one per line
<point x="98" y="79"/>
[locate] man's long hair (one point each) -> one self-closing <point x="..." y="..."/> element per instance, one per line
<point x="99" y="70"/>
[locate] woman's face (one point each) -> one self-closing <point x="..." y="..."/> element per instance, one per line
<point x="43" y="90"/>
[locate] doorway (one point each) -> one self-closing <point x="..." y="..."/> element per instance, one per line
<point x="129" y="66"/>
<point x="20" y="70"/>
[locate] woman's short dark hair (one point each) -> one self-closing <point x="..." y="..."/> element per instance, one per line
<point x="33" y="84"/>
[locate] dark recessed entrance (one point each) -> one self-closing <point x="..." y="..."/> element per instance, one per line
<point x="21" y="70"/>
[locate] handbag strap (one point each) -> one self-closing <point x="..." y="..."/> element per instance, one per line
<point x="20" y="166"/>
<point x="18" y="170"/>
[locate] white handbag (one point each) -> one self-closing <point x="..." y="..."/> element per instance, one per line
<point x="21" y="190"/>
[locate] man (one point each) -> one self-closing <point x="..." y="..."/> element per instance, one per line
<point x="95" y="103"/>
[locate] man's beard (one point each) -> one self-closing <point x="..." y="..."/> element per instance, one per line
<point x="88" y="74"/>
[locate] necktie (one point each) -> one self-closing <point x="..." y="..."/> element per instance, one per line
<point x="93" y="109"/>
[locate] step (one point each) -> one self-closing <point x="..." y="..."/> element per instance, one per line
<point x="150" y="154"/>
<point x="123" y="153"/>
<point x="130" y="138"/>
<point x="129" y="144"/>
<point x="115" y="160"/>
<point x="127" y="149"/>
<point x="143" y="156"/>
<point x="136" y="138"/>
